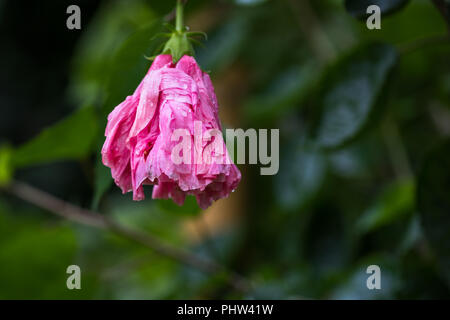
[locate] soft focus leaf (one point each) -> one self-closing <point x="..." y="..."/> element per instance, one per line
<point x="114" y="22"/>
<point x="103" y="181"/>
<point x="283" y="93"/>
<point x="350" y="92"/>
<point x="357" y="8"/>
<point x="433" y="198"/>
<point x="395" y="202"/>
<point x="223" y="45"/>
<point x="70" y="138"/>
<point x="34" y="259"/>
<point x="300" y="177"/>
<point x="190" y="206"/>
<point x="6" y="170"/>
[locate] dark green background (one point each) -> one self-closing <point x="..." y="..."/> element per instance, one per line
<point x="364" y="118"/>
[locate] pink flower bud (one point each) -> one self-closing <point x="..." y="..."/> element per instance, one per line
<point x="143" y="132"/>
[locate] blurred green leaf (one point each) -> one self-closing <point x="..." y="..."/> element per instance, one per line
<point x="350" y="92"/>
<point x="301" y="174"/>
<point x="113" y="23"/>
<point x="283" y="93"/>
<point x="147" y="216"/>
<point x="357" y="8"/>
<point x="6" y="170"/>
<point x="399" y="29"/>
<point x="350" y="162"/>
<point x="433" y="199"/>
<point x="151" y="277"/>
<point x="444" y="7"/>
<point x="223" y="45"/>
<point x="190" y="206"/>
<point x="103" y="181"/>
<point x="394" y="203"/>
<point x="70" y="138"/>
<point x="34" y="259"/>
<point x="412" y="235"/>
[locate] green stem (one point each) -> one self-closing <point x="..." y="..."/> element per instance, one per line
<point x="179" y="24"/>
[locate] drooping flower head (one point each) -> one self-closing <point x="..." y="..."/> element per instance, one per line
<point x="143" y="135"/>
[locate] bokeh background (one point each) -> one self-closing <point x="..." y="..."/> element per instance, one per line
<point x="365" y="162"/>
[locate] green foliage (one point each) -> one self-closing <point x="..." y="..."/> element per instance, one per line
<point x="103" y="181"/>
<point x="94" y="58"/>
<point x="338" y="203"/>
<point x="223" y="45"/>
<point x="5" y="165"/>
<point x="189" y="208"/>
<point x="350" y="92"/>
<point x="70" y="138"/>
<point x="34" y="259"/>
<point x="394" y="203"/>
<point x="283" y="94"/>
<point x="302" y="172"/>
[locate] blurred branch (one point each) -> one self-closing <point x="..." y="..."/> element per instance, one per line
<point x="57" y="206"/>
<point x="87" y="217"/>
<point x="311" y="28"/>
<point x="443" y="8"/>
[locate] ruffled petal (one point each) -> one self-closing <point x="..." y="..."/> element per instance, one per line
<point x="140" y="137"/>
<point x="115" y="153"/>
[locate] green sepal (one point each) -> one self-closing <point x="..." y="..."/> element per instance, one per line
<point x="198" y="33"/>
<point x="178" y="46"/>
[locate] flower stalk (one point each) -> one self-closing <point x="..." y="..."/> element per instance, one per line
<point x="180" y="40"/>
<point x="178" y="44"/>
<point x="179" y="24"/>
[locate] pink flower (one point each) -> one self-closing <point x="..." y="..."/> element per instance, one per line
<point x="139" y="136"/>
